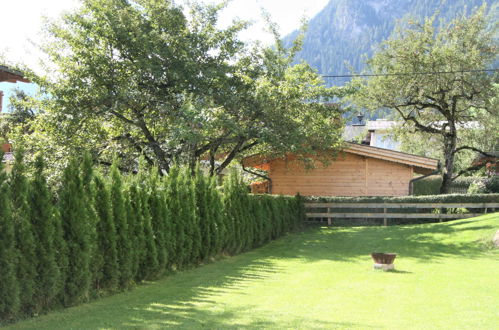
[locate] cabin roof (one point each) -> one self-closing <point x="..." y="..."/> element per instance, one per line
<point x="10" y="75"/>
<point x="392" y="155"/>
<point x="421" y="164"/>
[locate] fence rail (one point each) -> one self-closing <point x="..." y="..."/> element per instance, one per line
<point x="330" y="213"/>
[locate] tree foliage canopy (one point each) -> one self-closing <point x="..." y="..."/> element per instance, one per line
<point x="151" y="78"/>
<point x="452" y="103"/>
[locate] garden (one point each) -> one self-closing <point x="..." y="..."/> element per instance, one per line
<point x="445" y="277"/>
<point x="124" y="195"/>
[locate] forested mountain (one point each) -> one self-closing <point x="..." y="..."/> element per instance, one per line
<point x="345" y="30"/>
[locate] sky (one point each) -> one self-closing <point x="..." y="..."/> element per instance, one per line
<point x="20" y="29"/>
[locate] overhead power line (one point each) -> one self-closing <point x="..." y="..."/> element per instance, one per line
<point x="405" y="73"/>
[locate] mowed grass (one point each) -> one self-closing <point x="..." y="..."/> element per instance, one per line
<point x="447" y="277"/>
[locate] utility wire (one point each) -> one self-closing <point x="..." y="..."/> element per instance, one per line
<point x="405" y="74"/>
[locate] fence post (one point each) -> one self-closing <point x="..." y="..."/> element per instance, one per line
<point x="385" y="220"/>
<point x="329" y="220"/>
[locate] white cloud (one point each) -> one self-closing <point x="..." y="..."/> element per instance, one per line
<point x="286" y="13"/>
<point x="21" y="24"/>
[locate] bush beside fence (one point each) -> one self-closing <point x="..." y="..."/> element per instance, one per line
<point x="98" y="234"/>
<point x="431" y="185"/>
<point x="451" y="198"/>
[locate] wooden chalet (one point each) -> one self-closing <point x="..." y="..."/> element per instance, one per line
<point x="358" y="170"/>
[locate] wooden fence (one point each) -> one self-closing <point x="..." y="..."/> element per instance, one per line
<point x="331" y="210"/>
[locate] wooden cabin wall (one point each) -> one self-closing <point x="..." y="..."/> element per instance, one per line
<point x="348" y="175"/>
<point x="386" y="178"/>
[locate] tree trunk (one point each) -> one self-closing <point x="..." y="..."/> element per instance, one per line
<point x="450" y="142"/>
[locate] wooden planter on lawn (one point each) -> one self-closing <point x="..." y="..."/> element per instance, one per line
<point x="383" y="260"/>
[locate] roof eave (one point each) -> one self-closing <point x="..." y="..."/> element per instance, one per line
<point x="11" y="76"/>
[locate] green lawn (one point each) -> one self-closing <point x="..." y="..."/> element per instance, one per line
<point x="447" y="277"/>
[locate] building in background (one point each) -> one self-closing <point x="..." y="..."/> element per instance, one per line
<point x="358" y="170"/>
<point x="10" y="76"/>
<point x="374" y="133"/>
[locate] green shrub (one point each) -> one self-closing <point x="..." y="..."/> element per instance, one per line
<point x="191" y="217"/>
<point x="205" y="216"/>
<point x="218" y="230"/>
<point x="9" y="285"/>
<point x="431" y="185"/>
<point x="101" y="233"/>
<point x="123" y="243"/>
<point x="488" y="185"/>
<point x="159" y="218"/>
<point x="106" y="254"/>
<point x="175" y="206"/>
<point x="25" y="240"/>
<point x="76" y="223"/>
<point x="133" y="205"/>
<point x="48" y="238"/>
<point x="451" y="198"/>
<point x="149" y="261"/>
<point x="88" y="186"/>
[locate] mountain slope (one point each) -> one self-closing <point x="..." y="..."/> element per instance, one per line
<point x="345" y="30"/>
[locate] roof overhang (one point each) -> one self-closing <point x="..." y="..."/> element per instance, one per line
<point x="392" y="156"/>
<point x="421" y="165"/>
<point x="12" y="76"/>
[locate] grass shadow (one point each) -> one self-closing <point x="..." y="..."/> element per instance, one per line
<point x="397" y="271"/>
<point x="184" y="300"/>
<point x="191" y="298"/>
<point x="161" y="316"/>
<point x="423" y="242"/>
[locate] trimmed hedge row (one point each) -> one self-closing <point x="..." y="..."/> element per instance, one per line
<point x="98" y="234"/>
<point x="451" y="198"/>
<point x="431" y="185"/>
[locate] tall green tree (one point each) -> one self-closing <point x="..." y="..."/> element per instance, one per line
<point x="205" y="218"/>
<point x="19" y="117"/>
<point x="235" y="212"/>
<point x="178" y="225"/>
<point x="159" y="218"/>
<point x="190" y="216"/>
<point x="148" y="265"/>
<point x="123" y="243"/>
<point x="25" y="240"/>
<point x="44" y="220"/>
<point x="133" y="204"/>
<point x="173" y="87"/>
<point x="9" y="286"/>
<point x="86" y="169"/>
<point x="106" y="254"/>
<point x="75" y="222"/>
<point x="218" y="229"/>
<point x="435" y="82"/>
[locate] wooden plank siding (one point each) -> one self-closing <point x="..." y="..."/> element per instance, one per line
<point x="386" y="178"/>
<point x="359" y="170"/>
<point x="348" y="175"/>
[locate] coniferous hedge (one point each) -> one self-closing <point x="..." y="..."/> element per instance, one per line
<point x="25" y="241"/>
<point x="9" y="285"/>
<point x="94" y="233"/>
